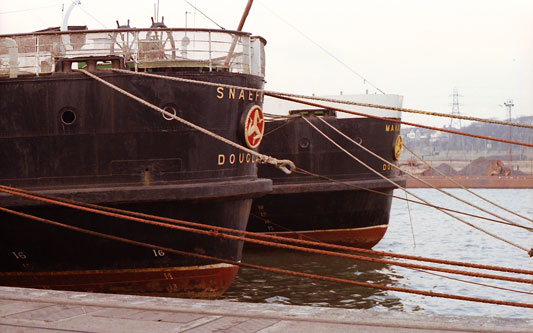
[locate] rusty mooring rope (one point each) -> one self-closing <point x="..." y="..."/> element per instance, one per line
<point x="463" y="187"/>
<point x="475" y="283"/>
<point x="412" y="175"/>
<point x="215" y="233"/>
<point x="390" y="120"/>
<point x="309" y="173"/>
<point x="271" y="269"/>
<point x="250" y="235"/>
<point x="278" y="94"/>
<point x="410" y="193"/>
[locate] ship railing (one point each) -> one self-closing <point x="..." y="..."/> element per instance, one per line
<point x="142" y="49"/>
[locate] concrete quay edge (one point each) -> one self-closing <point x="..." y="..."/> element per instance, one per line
<point x="279" y="317"/>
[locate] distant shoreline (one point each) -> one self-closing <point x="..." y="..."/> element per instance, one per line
<point x="473" y="182"/>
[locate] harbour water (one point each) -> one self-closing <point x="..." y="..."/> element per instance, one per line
<point x="424" y="232"/>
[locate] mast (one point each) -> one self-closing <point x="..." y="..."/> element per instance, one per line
<point x="241" y="24"/>
<point x="245" y="14"/>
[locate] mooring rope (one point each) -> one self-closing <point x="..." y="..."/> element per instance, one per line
<point x="414" y="176"/>
<point x="277" y="93"/>
<point x="463" y="187"/>
<point x="98" y="208"/>
<point x="410" y="219"/>
<point x="212" y="232"/>
<point x="270" y="269"/>
<point x="278" y="116"/>
<point x="392" y="108"/>
<point x="284" y="165"/>
<point x="475" y="283"/>
<point x="315" y="175"/>
<point x="279" y="127"/>
<point x="397" y="121"/>
<point x="284" y="96"/>
<point x="246" y="239"/>
<point x="414" y="195"/>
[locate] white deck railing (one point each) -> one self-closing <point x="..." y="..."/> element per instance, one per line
<point x="211" y="50"/>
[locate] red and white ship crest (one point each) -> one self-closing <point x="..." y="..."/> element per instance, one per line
<point x="254" y="127"/>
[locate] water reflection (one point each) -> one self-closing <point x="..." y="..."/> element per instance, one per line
<point x="257" y="286"/>
<point x="436" y="236"/>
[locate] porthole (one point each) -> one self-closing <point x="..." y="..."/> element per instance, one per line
<point x="68" y="116"/>
<point x="304" y="143"/>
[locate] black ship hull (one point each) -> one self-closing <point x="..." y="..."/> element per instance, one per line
<point x="352" y="210"/>
<point x="69" y="136"/>
<point x="57" y="258"/>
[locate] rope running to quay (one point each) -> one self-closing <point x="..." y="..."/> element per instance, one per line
<point x="475" y="283"/>
<point x="308" y="173"/>
<point x="414" y="195"/>
<point x="281" y="164"/>
<point x="277" y="94"/>
<point x="463" y="187"/>
<point x="271" y="269"/>
<point x="427" y="113"/>
<point x="414" y="176"/>
<point x="273" y="244"/>
<point x="284" y="165"/>
<point x="284" y="96"/>
<point x="102" y="209"/>
<point x="177" y="118"/>
<point x="279" y="127"/>
<point x="391" y="120"/>
<point x="301" y="171"/>
<point x="410" y="219"/>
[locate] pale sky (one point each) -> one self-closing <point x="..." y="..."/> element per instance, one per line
<point x="420" y="49"/>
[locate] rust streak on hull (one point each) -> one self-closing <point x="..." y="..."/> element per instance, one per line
<point x="365" y="237"/>
<point x="208" y="281"/>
